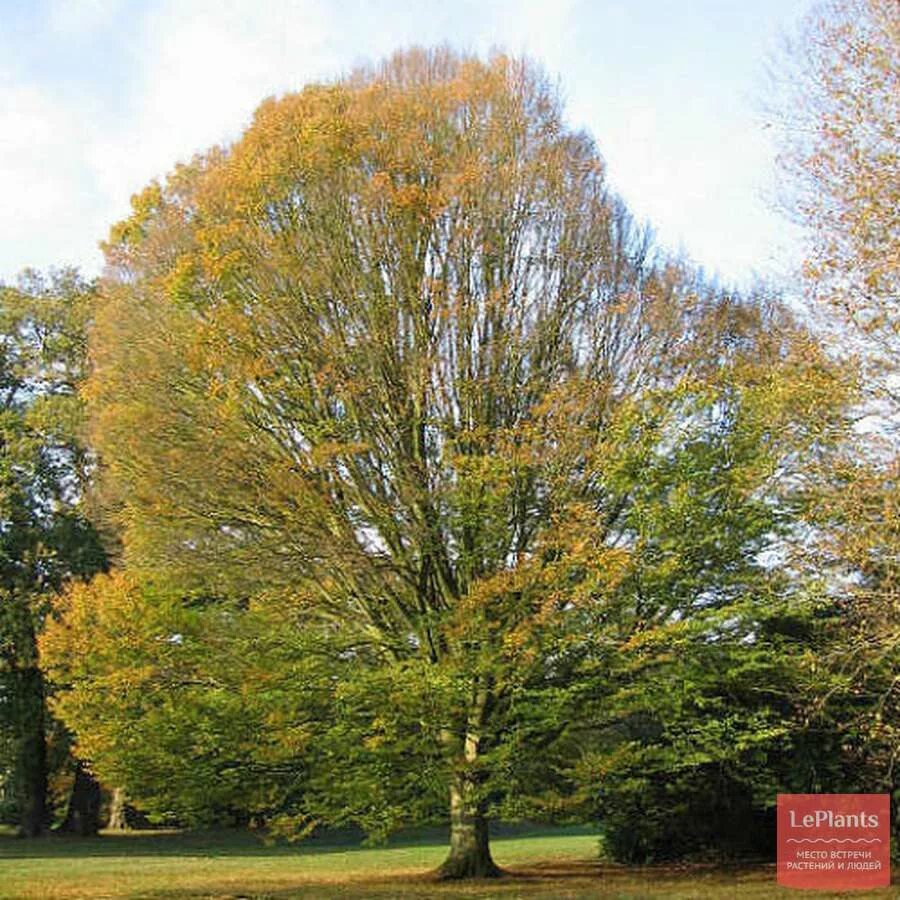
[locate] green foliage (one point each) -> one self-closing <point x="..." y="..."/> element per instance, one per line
<point x="45" y="536"/>
<point x="852" y="691"/>
<point x="679" y="665"/>
<point x="186" y="703"/>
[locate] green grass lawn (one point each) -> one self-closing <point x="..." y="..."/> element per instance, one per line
<point x="559" y="863"/>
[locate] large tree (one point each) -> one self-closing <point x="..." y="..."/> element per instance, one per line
<point x="45" y="536"/>
<point x="399" y="353"/>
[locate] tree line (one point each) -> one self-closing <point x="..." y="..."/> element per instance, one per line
<point x="391" y="474"/>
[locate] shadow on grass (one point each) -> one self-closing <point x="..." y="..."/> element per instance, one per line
<point x="573" y="880"/>
<point x="223" y="843"/>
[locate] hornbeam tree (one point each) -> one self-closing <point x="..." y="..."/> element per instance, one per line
<point x="399" y="354"/>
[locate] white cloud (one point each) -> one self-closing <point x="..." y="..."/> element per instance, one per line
<point x="204" y="67"/>
<point x="538" y="28"/>
<point x="154" y="83"/>
<point x="41" y="168"/>
<point x="68" y="167"/>
<point x="208" y="64"/>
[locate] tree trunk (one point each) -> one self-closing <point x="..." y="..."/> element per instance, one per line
<point x="83" y="815"/>
<point x="122" y="815"/>
<point x="31" y="762"/>
<point x="470" y="852"/>
<point x="118" y="819"/>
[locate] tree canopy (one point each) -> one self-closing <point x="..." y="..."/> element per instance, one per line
<point x="398" y="374"/>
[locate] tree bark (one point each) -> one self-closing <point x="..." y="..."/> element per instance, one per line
<point x="31" y="762"/>
<point x="470" y="852"/>
<point x="83" y="815"/>
<point x="122" y="815"/>
<point x="118" y="819"/>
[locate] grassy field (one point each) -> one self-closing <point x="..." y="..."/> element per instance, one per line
<point x="561" y="863"/>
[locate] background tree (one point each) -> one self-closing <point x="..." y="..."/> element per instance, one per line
<point x="45" y="536"/>
<point x="399" y="353"/>
<point x="191" y="705"/>
<point x="841" y="162"/>
<point x="856" y="693"/>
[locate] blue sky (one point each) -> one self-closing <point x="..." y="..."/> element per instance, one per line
<point x="97" y="97"/>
